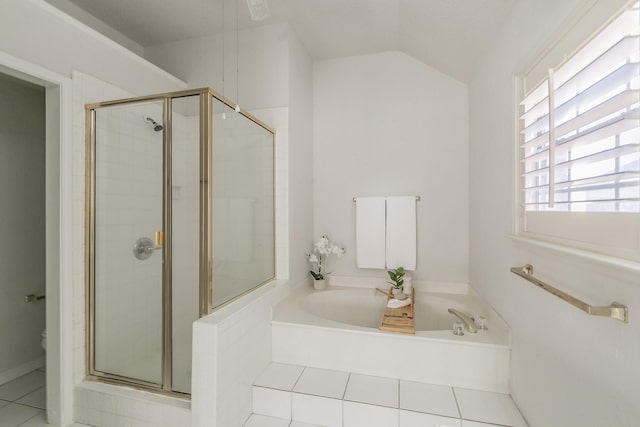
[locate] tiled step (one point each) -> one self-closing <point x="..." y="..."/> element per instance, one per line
<point x="340" y="399"/>
<point x="256" y="420"/>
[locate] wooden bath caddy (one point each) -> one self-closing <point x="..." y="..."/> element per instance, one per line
<point x="399" y="319"/>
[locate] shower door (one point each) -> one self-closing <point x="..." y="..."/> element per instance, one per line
<point x="127" y="297"/>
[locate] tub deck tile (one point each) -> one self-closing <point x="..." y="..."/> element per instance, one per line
<point x="428" y="398"/>
<point x="280" y="376"/>
<point x="322" y="383"/>
<point x="372" y="390"/>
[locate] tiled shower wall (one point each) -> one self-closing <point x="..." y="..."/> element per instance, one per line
<point x="86" y="89"/>
<point x="98" y="404"/>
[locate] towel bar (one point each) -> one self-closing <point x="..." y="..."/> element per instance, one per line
<point x="615" y="310"/>
<point x="33" y="298"/>
<point x="418" y="198"/>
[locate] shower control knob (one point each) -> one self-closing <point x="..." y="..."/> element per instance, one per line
<point x="144" y="247"/>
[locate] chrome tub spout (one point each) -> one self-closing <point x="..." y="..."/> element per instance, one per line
<point x="466" y="320"/>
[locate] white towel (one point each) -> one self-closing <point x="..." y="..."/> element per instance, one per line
<point x="401" y="232"/>
<point x="397" y="303"/>
<point x="370" y="238"/>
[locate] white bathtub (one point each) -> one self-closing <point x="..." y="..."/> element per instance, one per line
<point x="337" y="328"/>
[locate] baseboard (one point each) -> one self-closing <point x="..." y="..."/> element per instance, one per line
<point x="21" y="370"/>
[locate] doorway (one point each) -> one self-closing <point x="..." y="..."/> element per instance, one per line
<point x="22" y="250"/>
<point x="55" y="245"/>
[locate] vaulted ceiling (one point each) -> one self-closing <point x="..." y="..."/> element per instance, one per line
<point x="449" y="35"/>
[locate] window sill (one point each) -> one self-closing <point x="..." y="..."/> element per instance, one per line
<point x="604" y="260"/>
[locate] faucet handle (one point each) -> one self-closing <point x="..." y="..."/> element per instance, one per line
<point x="457" y="328"/>
<point x="481" y="322"/>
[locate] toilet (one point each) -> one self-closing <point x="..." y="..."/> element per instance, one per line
<point x="43" y="343"/>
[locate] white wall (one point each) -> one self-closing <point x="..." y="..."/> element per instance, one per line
<point x="231" y="348"/>
<point x="22" y="225"/>
<point x="39" y="33"/>
<point x="568" y="369"/>
<point x="83" y="16"/>
<point x="386" y="124"/>
<point x="262" y="68"/>
<point x="300" y="185"/>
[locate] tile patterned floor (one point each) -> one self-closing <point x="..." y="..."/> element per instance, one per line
<point x="23" y="401"/>
<point x="285" y="395"/>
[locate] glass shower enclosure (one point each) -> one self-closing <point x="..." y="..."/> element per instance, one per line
<point x="179" y="221"/>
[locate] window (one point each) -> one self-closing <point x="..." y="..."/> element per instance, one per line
<point x="580" y="144"/>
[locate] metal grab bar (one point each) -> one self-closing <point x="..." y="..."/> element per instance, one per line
<point x="615" y="310"/>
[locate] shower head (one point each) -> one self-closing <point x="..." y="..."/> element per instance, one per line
<point x="156" y="126"/>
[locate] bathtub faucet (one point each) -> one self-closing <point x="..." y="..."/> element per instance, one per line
<point x="468" y="322"/>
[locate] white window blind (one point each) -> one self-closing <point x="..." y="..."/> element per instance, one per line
<point x="580" y="144"/>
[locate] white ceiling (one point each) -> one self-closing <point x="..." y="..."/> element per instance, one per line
<point x="449" y="35"/>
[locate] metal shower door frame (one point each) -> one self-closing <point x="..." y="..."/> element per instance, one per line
<point x="205" y="305"/>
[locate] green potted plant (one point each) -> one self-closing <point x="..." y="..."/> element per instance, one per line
<point x="397" y="280"/>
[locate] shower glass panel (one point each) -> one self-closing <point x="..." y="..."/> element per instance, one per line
<point x="179" y="221"/>
<point x="185" y="229"/>
<point x="243" y="204"/>
<point x="128" y="206"/>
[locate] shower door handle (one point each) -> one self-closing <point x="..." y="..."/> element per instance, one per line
<point x="144" y="246"/>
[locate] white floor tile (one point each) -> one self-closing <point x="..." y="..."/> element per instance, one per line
<point x="361" y="414"/>
<point x="488" y="407"/>
<point x="273" y="403"/>
<point x="37" y="398"/>
<point x="21" y="386"/>
<point x="322" y="382"/>
<point x="14" y="414"/>
<point x="39" y="420"/>
<point x="418" y="419"/>
<point x="428" y="398"/>
<point x="372" y="390"/>
<point x="316" y="410"/>
<point x="256" y="420"/>
<point x="280" y="376"/>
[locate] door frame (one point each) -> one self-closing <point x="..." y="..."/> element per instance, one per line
<point x="59" y="225"/>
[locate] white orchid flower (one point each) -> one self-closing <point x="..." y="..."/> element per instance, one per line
<point x="323" y="248"/>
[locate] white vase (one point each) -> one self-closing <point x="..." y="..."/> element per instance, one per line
<point x="319" y="284"/>
<point x="407" y="286"/>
